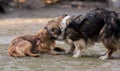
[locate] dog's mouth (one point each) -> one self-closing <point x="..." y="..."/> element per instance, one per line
<point x="38" y="41"/>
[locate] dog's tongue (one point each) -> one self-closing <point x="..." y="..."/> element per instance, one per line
<point x="38" y="42"/>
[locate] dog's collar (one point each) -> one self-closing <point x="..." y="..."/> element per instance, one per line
<point x="63" y="23"/>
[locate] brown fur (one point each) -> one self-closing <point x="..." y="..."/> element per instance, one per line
<point x="47" y="45"/>
<point x="22" y="46"/>
<point x="32" y="44"/>
<point x="54" y="26"/>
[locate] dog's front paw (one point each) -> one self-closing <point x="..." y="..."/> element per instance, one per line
<point x="76" y="55"/>
<point x="36" y="55"/>
<point x="104" y="57"/>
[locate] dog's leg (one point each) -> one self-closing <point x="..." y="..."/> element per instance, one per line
<point x="43" y="50"/>
<point x="70" y="51"/>
<point x="79" y="45"/>
<point x="28" y="51"/>
<point x="19" y="52"/>
<point x="59" y="51"/>
<point x="31" y="54"/>
<point x="54" y="52"/>
<point x="108" y="54"/>
<point x="77" y="53"/>
<point x="110" y="49"/>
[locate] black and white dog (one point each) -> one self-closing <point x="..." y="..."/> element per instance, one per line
<point x="96" y="25"/>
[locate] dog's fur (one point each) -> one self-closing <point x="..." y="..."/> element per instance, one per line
<point x="32" y="44"/>
<point x="47" y="44"/>
<point x="81" y="30"/>
<point x="54" y="26"/>
<point x="98" y="24"/>
<point x="22" y="46"/>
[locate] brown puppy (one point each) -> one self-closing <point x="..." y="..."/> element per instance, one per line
<point x="22" y="46"/>
<point x="29" y="44"/>
<point x="47" y="44"/>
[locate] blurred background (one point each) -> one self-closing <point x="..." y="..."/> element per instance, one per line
<point x="28" y="16"/>
<point x="11" y="5"/>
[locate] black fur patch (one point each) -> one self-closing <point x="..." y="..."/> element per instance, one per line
<point x="91" y="25"/>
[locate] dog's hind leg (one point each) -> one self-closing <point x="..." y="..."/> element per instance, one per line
<point x="110" y="49"/>
<point x="19" y="52"/>
<point x="31" y="54"/>
<point x="28" y="50"/>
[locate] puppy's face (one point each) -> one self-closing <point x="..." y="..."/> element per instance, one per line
<point x="53" y="28"/>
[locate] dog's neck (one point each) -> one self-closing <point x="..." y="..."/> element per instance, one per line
<point x="64" y="22"/>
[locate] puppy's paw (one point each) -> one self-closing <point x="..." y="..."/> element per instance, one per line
<point x="36" y="55"/>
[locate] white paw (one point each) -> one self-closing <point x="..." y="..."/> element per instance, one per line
<point x="103" y="57"/>
<point x="77" y="54"/>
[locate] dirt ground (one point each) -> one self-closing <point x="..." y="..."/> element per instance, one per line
<point x="23" y="21"/>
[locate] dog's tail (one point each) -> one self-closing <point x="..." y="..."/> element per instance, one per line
<point x="59" y="49"/>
